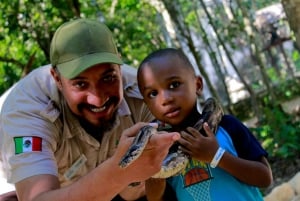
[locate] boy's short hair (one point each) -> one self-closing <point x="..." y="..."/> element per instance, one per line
<point x="166" y="52"/>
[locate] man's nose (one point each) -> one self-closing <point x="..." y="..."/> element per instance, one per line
<point x="97" y="97"/>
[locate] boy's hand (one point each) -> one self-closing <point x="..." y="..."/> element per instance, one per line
<point x="198" y="146"/>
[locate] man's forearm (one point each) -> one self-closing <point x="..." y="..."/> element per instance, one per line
<point x="102" y="183"/>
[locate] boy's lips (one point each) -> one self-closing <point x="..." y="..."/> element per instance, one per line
<point x="172" y="113"/>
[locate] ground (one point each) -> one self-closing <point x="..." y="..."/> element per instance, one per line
<point x="283" y="170"/>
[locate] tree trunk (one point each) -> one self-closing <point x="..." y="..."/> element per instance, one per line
<point x="249" y="28"/>
<point x="292" y="11"/>
<point x="215" y="62"/>
<point x="184" y="32"/>
<point x="222" y="42"/>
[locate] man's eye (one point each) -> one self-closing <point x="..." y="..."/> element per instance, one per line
<point x="152" y="94"/>
<point x="80" y="85"/>
<point x="174" y="85"/>
<point x="110" y="78"/>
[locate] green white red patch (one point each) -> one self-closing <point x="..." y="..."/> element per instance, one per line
<point x="27" y="144"/>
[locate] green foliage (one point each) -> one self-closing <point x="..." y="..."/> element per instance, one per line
<point x="26" y="29"/>
<point x="279" y="132"/>
<point x="288" y="89"/>
<point x="8" y="76"/>
<point x="296" y="59"/>
<point x="263" y="3"/>
<point x="137" y="30"/>
<point x="272" y="74"/>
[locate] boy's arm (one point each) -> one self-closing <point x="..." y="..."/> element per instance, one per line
<point x="251" y="165"/>
<point x="256" y="173"/>
<point x="253" y="172"/>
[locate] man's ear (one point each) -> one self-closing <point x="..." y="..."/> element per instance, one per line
<point x="199" y="85"/>
<point x="56" y="77"/>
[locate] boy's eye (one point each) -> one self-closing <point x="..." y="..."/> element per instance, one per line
<point x="152" y="94"/>
<point x="174" y="85"/>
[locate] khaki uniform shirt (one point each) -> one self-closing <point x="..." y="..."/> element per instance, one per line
<point x="34" y="107"/>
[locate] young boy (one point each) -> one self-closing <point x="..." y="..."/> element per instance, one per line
<point x="170" y="88"/>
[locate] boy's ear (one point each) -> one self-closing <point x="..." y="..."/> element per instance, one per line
<point x="199" y="85"/>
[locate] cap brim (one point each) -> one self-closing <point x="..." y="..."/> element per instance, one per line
<point x="74" y="67"/>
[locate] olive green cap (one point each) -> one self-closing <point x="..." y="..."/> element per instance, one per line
<point x="80" y="44"/>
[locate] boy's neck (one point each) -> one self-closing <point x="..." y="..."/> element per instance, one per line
<point x="190" y="121"/>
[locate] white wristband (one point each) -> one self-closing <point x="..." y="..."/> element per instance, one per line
<point x="217" y="157"/>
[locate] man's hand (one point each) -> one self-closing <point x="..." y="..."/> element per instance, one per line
<point x="152" y="157"/>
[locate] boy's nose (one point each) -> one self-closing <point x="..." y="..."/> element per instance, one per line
<point x="166" y="97"/>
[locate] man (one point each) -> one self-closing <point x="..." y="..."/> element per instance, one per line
<point x="65" y="127"/>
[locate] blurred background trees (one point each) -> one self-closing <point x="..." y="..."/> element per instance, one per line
<point x="246" y="51"/>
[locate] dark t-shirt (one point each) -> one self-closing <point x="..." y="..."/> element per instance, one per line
<point x="245" y="143"/>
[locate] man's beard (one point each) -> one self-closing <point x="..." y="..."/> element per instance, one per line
<point x="98" y="131"/>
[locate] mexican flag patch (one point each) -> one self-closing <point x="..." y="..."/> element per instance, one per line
<point x="27" y="144"/>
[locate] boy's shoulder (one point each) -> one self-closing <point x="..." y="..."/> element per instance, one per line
<point x="234" y="127"/>
<point x="245" y="143"/>
<point x="231" y="122"/>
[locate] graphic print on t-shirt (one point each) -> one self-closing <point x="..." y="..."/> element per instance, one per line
<point x="196" y="178"/>
<point x="196" y="172"/>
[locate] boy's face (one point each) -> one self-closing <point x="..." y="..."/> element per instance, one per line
<point x="169" y="89"/>
<point x="95" y="94"/>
